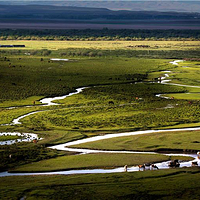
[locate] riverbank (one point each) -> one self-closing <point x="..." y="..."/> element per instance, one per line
<point x="65" y="146"/>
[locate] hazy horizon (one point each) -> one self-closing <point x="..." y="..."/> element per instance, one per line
<point x="134" y="5"/>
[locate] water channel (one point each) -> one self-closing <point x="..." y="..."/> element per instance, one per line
<point x="66" y="146"/>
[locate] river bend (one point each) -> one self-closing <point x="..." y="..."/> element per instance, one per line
<point x="66" y="146"/>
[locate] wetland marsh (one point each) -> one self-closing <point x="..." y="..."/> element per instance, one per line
<point x="120" y="96"/>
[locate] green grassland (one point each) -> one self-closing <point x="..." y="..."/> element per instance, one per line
<point x="23" y="153"/>
<point x="28" y="79"/>
<point x="32" y="77"/>
<point x="9" y="137"/>
<point x="178" y="141"/>
<point x="114" y="45"/>
<point x="91" y="110"/>
<point x="7" y="115"/>
<point x="91" y="161"/>
<point x="120" y="97"/>
<point x="161" y="184"/>
<point x="186" y="96"/>
<point x="187" y="73"/>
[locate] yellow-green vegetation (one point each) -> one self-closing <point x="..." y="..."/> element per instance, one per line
<point x="119" y="107"/>
<point x="161" y="184"/>
<point x="56" y="45"/>
<point x="123" y="98"/>
<point x="186" y="96"/>
<point x="9" y="137"/>
<point x="53" y="137"/>
<point x="92" y="161"/>
<point x="182" y="141"/>
<point x="187" y="73"/>
<point x="33" y="100"/>
<point x="28" y="77"/>
<point x="7" y="115"/>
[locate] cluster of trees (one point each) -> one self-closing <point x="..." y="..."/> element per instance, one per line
<point x="102" y="34"/>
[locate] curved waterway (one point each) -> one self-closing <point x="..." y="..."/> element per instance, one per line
<point x="49" y="101"/>
<point x="46" y="102"/>
<point x="66" y="146"/>
<point x="162" y="165"/>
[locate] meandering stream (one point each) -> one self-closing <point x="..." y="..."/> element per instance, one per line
<point x="66" y="146"/>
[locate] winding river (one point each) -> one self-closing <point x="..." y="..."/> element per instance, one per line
<point x="66" y="146"/>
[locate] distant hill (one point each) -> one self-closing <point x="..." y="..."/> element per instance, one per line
<point x="135" y="5"/>
<point x="85" y="13"/>
<point x="72" y="17"/>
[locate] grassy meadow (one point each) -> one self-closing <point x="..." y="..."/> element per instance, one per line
<point x="125" y="113"/>
<point x="113" y="45"/>
<point x="159" y="184"/>
<point x="122" y="82"/>
<point x="30" y="78"/>
<point x="91" y="161"/>
<point x="167" y="141"/>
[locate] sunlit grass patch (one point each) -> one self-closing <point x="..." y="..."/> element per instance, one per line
<point x="180" y="140"/>
<point x="91" y="161"/>
<point x="187" y="96"/>
<point x="55" y="45"/>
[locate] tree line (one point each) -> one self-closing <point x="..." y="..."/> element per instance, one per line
<point x="99" y="35"/>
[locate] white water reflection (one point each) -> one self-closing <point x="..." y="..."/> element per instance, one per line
<point x="49" y="101"/>
<point x="175" y="62"/>
<point x="87" y="151"/>
<point x="24" y="137"/>
<point x="59" y="59"/>
<point x="182" y="85"/>
<point x="109" y="136"/>
<point x="162" y="165"/>
<point x="17" y="120"/>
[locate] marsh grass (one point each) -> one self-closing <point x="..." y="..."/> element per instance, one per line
<point x="115" y="106"/>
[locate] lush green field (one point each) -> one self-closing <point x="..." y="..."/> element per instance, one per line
<point x="30" y="77"/>
<point x="9" y="137"/>
<point x="187" y="73"/>
<point x="161" y="184"/>
<point x="114" y="45"/>
<point x="123" y="82"/>
<point x="132" y="107"/>
<point x="181" y="141"/>
<point x="94" y="161"/>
